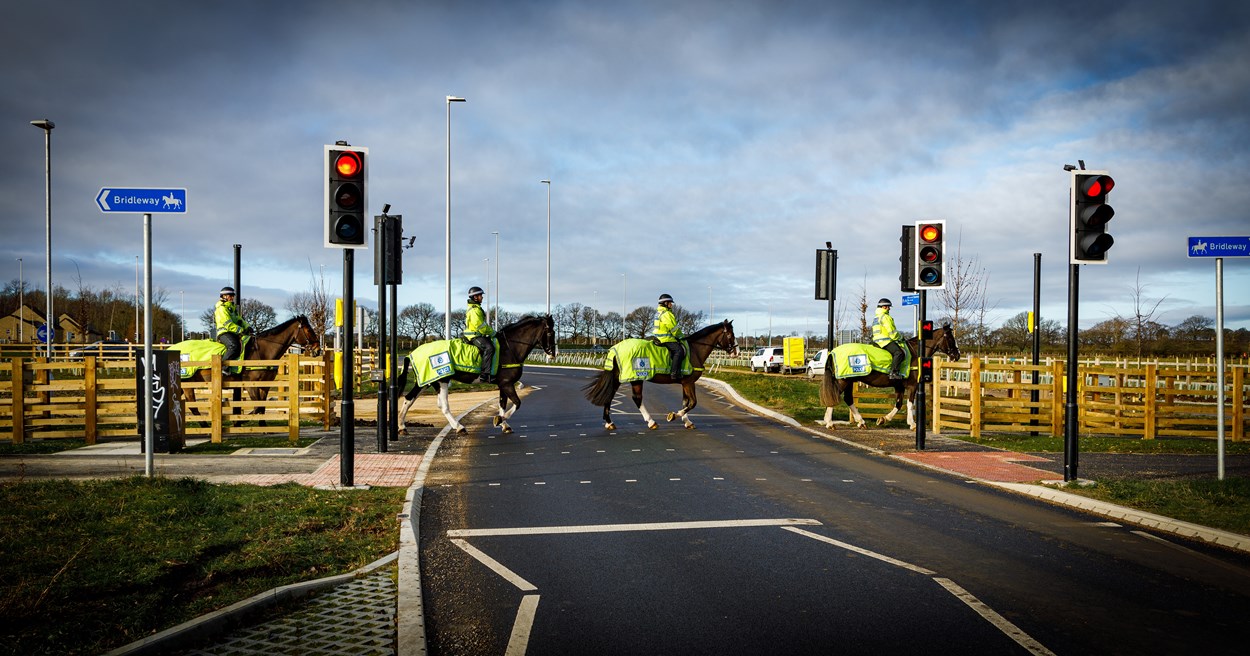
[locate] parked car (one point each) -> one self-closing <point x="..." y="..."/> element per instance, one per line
<point x="768" y="358"/>
<point x="110" y="349"/>
<point x="816" y="366"/>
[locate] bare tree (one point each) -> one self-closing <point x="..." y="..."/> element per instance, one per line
<point x="420" y="321"/>
<point x="865" y="331"/>
<point x="639" y="321"/>
<point x="964" y="297"/>
<point x="314" y="304"/>
<point x="1144" y="327"/>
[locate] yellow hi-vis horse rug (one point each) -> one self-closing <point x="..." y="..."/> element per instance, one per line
<point x="202" y="350"/>
<point x="640" y="359"/>
<point x="850" y="360"/>
<point x="442" y="358"/>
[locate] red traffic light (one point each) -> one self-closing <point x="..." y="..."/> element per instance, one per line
<point x="348" y="164"/>
<point x="1098" y="185"/>
<point x="930" y="232"/>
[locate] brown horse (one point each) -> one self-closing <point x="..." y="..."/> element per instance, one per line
<point x="603" y="388"/>
<point x="268" y="344"/>
<point x="516" y="340"/>
<point x="832" y="388"/>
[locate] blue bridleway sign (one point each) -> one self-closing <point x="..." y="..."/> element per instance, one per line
<point x="1219" y="246"/>
<point x="142" y="200"/>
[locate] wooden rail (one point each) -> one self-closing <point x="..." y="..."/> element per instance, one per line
<point x="93" y="398"/>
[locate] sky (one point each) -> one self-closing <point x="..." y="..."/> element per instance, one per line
<point x="704" y="149"/>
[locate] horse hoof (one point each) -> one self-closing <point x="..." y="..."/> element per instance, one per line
<point x="651" y="425"/>
<point x="507" y="429"/>
<point x="610" y="426"/>
<point x="462" y="430"/>
<point x="671" y="416"/>
<point x="499" y="420"/>
<point x="689" y="426"/>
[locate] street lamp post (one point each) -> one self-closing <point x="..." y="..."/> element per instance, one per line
<point x="594" y="319"/>
<point x="548" y="183"/>
<point x="624" y="295"/>
<point x="182" y="314"/>
<point x="495" y="321"/>
<point x="46" y="125"/>
<point x="21" y="304"/>
<point x="447" y="245"/>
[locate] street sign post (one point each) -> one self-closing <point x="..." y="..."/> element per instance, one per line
<point x="142" y="200"/>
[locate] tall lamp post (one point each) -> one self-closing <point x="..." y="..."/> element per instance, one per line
<point x="46" y="125"/>
<point x="447" y="245"/>
<point x="495" y="321"/>
<point x="548" y="183"/>
<point x="624" y="295"/>
<point x="182" y="314"/>
<point x="21" y="304"/>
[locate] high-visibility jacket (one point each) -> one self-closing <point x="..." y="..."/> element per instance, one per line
<point x="666" y="329"/>
<point x="475" y="322"/>
<point x="883" y="330"/>
<point x="226" y="314"/>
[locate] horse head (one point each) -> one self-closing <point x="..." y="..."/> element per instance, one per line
<point x="307" y="337"/>
<point x="725" y="339"/>
<point x="945" y="342"/>
<point x="548" y="342"/>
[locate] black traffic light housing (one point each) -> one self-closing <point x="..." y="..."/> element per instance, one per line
<point x="929" y="252"/>
<point x="926" y="363"/>
<point x="907" y="260"/>
<point x="1088" y="240"/>
<point x="346" y="181"/>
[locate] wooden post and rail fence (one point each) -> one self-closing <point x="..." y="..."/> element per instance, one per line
<point x="94" y="398"/>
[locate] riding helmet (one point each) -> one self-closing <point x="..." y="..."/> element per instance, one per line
<point x="226" y="290"/>
<point x="474" y="291"/>
<point x="885" y="302"/>
<point x="665" y="298"/>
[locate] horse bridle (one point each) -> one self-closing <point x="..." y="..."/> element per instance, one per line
<point x="945" y="345"/>
<point x="726" y="335"/>
<point x="542" y="339"/>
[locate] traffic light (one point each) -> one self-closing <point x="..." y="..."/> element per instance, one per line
<point x="346" y="175"/>
<point x="926" y="370"/>
<point x="926" y="331"/>
<point x="926" y="364"/>
<point x="907" y="272"/>
<point x="929" y="254"/>
<point x="1088" y="216"/>
<point x="388" y="250"/>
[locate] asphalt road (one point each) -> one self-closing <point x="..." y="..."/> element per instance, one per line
<point x="745" y="536"/>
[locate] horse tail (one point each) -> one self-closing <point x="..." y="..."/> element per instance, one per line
<point x="601" y="390"/>
<point x="828" y="386"/>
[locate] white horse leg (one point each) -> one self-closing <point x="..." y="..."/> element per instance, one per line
<point x="856" y="418"/>
<point x="888" y="416"/>
<point x="444" y="406"/>
<point x="828" y="420"/>
<point x="403" y="412"/>
<point x="647" y="416"/>
<point x="911" y="415"/>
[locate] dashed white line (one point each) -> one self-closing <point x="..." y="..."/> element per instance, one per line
<point x="618" y="528"/>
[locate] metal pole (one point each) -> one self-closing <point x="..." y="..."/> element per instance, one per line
<point x="383" y="246"/>
<point x="347" y="412"/>
<point x="21" y="302"/>
<point x="1037" y="333"/>
<point x="137" y="336"/>
<point x="238" y="280"/>
<point x="548" y="183"/>
<point x="447" y="244"/>
<point x="392" y="367"/>
<point x="50" y="319"/>
<point x="495" y="321"/>
<point x="1071" y="414"/>
<point x="920" y="392"/>
<point x="1219" y="366"/>
<point x="149" y="368"/>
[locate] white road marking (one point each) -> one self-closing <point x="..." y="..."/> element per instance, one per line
<point x="1001" y="623"/>
<point x="861" y="550"/>
<point x="495" y="566"/>
<point x="519" y="641"/>
<point x="619" y="528"/>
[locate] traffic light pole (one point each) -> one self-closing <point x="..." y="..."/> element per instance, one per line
<point x="1071" y="413"/>
<point x="915" y="362"/>
<point x="347" y="411"/>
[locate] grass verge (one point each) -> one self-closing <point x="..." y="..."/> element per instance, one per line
<point x="89" y="566"/>
<point x="1208" y="502"/>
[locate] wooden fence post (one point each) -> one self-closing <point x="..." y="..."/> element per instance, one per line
<point x="1150" y="400"/>
<point x="89" y="409"/>
<point x="292" y="385"/>
<point x="974" y="408"/>
<point x="937" y="397"/>
<point x="19" y="400"/>
<point x="215" y="403"/>
<point x="1057" y="398"/>
<point x="327" y="387"/>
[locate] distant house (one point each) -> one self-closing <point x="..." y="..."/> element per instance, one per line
<point x="23" y="324"/>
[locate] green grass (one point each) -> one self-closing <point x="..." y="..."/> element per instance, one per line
<point x="1209" y="502"/>
<point x="40" y="446"/>
<point x="1105" y="444"/>
<point x="90" y="566"/>
<point x="794" y="396"/>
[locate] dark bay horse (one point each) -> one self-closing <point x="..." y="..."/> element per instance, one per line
<point x="603" y="388"/>
<point x="269" y="344"/>
<point x="832" y="388"/>
<point x="516" y="340"/>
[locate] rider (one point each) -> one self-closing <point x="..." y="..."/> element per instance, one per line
<point x="669" y="335"/>
<point x="230" y="325"/>
<point x="887" y="337"/>
<point x="478" y="332"/>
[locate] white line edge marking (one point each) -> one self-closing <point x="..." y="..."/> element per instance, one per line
<point x="615" y="528"/>
<point x="495" y="566"/>
<point x="1001" y="623"/>
<point x="519" y="641"/>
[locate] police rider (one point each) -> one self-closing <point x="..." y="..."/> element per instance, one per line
<point x="885" y="335"/>
<point x="478" y="332"/>
<point x="669" y="335"/>
<point x="230" y="325"/>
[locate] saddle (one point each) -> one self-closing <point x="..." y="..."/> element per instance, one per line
<point x="434" y="361"/>
<point x="641" y="359"/>
<point x="850" y="360"/>
<point x="201" y="350"/>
